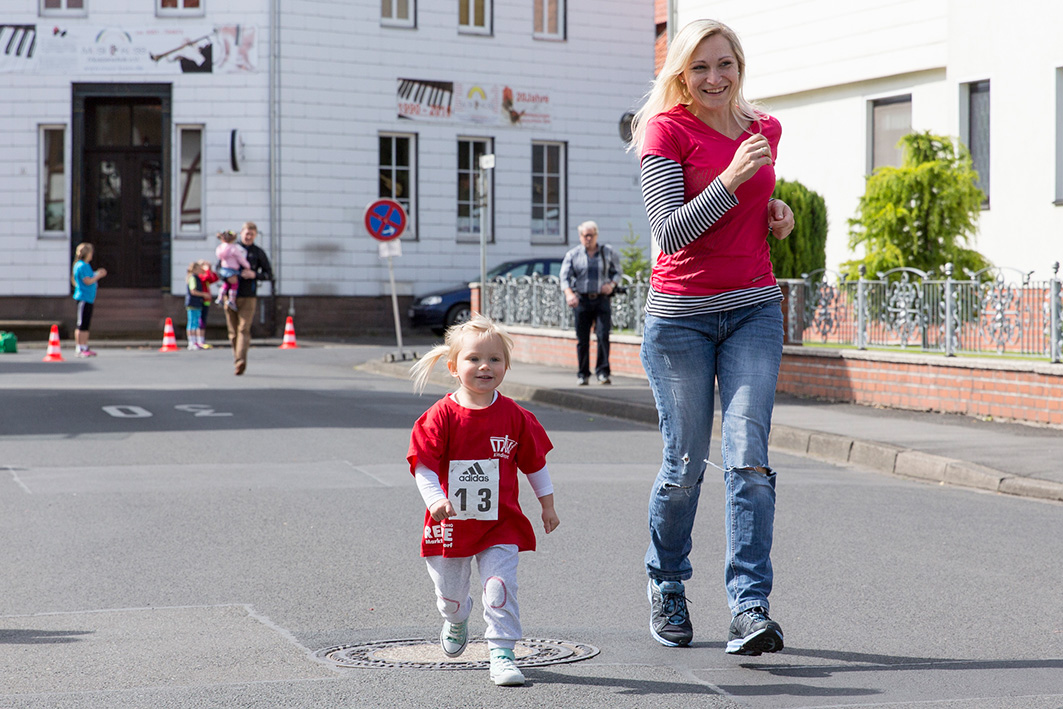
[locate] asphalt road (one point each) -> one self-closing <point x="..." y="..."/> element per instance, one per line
<point x="175" y="536"/>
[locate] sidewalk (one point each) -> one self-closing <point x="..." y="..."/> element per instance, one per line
<point x="1014" y="459"/>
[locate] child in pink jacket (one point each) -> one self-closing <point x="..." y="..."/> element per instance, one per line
<point x="233" y="258"/>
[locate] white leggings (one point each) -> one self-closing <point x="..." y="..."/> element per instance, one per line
<point x="498" y="574"/>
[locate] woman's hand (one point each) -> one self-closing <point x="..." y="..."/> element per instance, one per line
<point x="780" y="219"/>
<point x="753" y="154"/>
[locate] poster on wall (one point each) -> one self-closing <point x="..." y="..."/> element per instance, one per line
<point x="79" y="50"/>
<point x="484" y="104"/>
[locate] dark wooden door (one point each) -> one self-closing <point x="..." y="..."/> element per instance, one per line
<point x="125" y="184"/>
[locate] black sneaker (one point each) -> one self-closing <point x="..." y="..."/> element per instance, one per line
<point x="753" y="632"/>
<point x="669" y="621"/>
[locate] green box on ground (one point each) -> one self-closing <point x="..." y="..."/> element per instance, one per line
<point x="8" y="342"/>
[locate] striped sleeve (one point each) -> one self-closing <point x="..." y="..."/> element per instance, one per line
<point x="674" y="224"/>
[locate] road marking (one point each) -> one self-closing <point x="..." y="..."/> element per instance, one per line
<point x="18" y="480"/>
<point x="127" y="412"/>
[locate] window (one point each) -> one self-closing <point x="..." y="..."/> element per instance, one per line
<point x="975" y="119"/>
<point x="397" y="13"/>
<point x="474" y="16"/>
<point x="179" y="8"/>
<point x="548" y="193"/>
<point x="52" y="168"/>
<point x="398" y="175"/>
<point x="469" y="200"/>
<point x="549" y="19"/>
<point x="891" y="120"/>
<point x="70" y="8"/>
<point x="190" y="181"/>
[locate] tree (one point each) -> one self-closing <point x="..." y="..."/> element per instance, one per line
<point x="922" y="214"/>
<point x="805" y="250"/>
<point x="632" y="258"/>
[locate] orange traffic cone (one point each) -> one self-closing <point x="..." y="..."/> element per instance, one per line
<point x="54" y="354"/>
<point x="288" y="343"/>
<point x="169" y="340"/>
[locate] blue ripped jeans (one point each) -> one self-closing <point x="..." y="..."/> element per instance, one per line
<point x="683" y="357"/>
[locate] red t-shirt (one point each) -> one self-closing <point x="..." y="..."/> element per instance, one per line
<point x="733" y="254"/>
<point x="483" y="449"/>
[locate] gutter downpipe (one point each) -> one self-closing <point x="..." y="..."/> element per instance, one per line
<point x="274" y="145"/>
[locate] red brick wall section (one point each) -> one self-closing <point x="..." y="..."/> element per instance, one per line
<point x="1001" y="389"/>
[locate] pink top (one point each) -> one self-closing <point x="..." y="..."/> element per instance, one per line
<point x="733" y="253"/>
<point x="232" y="256"/>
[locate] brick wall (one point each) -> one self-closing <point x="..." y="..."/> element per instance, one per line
<point x="1031" y="392"/>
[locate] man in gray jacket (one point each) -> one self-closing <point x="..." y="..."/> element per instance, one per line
<point x="589" y="275"/>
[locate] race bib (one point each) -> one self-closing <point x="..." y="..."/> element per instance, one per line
<point x="472" y="488"/>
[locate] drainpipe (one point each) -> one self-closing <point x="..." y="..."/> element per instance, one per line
<point x="274" y="144"/>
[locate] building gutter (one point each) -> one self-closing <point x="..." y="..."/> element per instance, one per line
<point x="274" y="145"/>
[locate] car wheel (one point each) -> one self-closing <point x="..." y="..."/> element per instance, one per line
<point x="458" y="314"/>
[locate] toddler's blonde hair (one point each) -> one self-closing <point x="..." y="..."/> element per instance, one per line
<point x="478" y="326"/>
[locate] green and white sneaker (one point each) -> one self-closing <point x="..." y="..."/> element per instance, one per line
<point x="454" y="638"/>
<point x="504" y="672"/>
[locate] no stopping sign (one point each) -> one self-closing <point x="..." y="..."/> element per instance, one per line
<point x="385" y="219"/>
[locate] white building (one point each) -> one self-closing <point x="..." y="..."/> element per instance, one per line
<point x="146" y="126"/>
<point x="848" y="79"/>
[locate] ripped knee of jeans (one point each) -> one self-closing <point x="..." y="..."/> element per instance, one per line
<point x="762" y="469"/>
<point x="679" y="484"/>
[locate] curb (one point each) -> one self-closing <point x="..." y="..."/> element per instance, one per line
<point x="827" y="447"/>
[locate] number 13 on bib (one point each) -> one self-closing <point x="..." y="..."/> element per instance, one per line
<point x="473" y="489"/>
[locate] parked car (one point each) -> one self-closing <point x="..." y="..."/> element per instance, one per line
<point x="440" y="309"/>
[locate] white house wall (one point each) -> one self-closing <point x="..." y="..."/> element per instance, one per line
<point x="816" y="65"/>
<point x="337" y="87"/>
<point x="339" y="76"/>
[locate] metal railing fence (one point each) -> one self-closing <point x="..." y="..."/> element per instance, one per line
<point x="996" y="311"/>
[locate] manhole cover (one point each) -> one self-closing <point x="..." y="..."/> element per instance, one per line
<point x="418" y="653"/>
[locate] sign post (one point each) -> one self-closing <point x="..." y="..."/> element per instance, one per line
<point x="487" y="162"/>
<point x="385" y="220"/>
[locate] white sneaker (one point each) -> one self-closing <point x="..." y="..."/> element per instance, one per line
<point x="504" y="672"/>
<point x="454" y="637"/>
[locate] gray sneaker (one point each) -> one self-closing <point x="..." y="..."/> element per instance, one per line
<point x="753" y="632"/>
<point x="669" y="621"/>
<point x="454" y="637"/>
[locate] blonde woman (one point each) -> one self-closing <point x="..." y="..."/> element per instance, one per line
<point x="712" y="315"/>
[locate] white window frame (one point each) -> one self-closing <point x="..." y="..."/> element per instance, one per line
<point x="408" y="202"/>
<point x="965" y="131"/>
<point x="543" y="14"/>
<point x="874" y="129"/>
<point x="543" y="236"/>
<point x="179" y="181"/>
<point x="181" y="11"/>
<point x="42" y="187"/>
<point x="472" y="173"/>
<point x="468" y="25"/>
<point x="389" y="11"/>
<point x="63" y="11"/>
